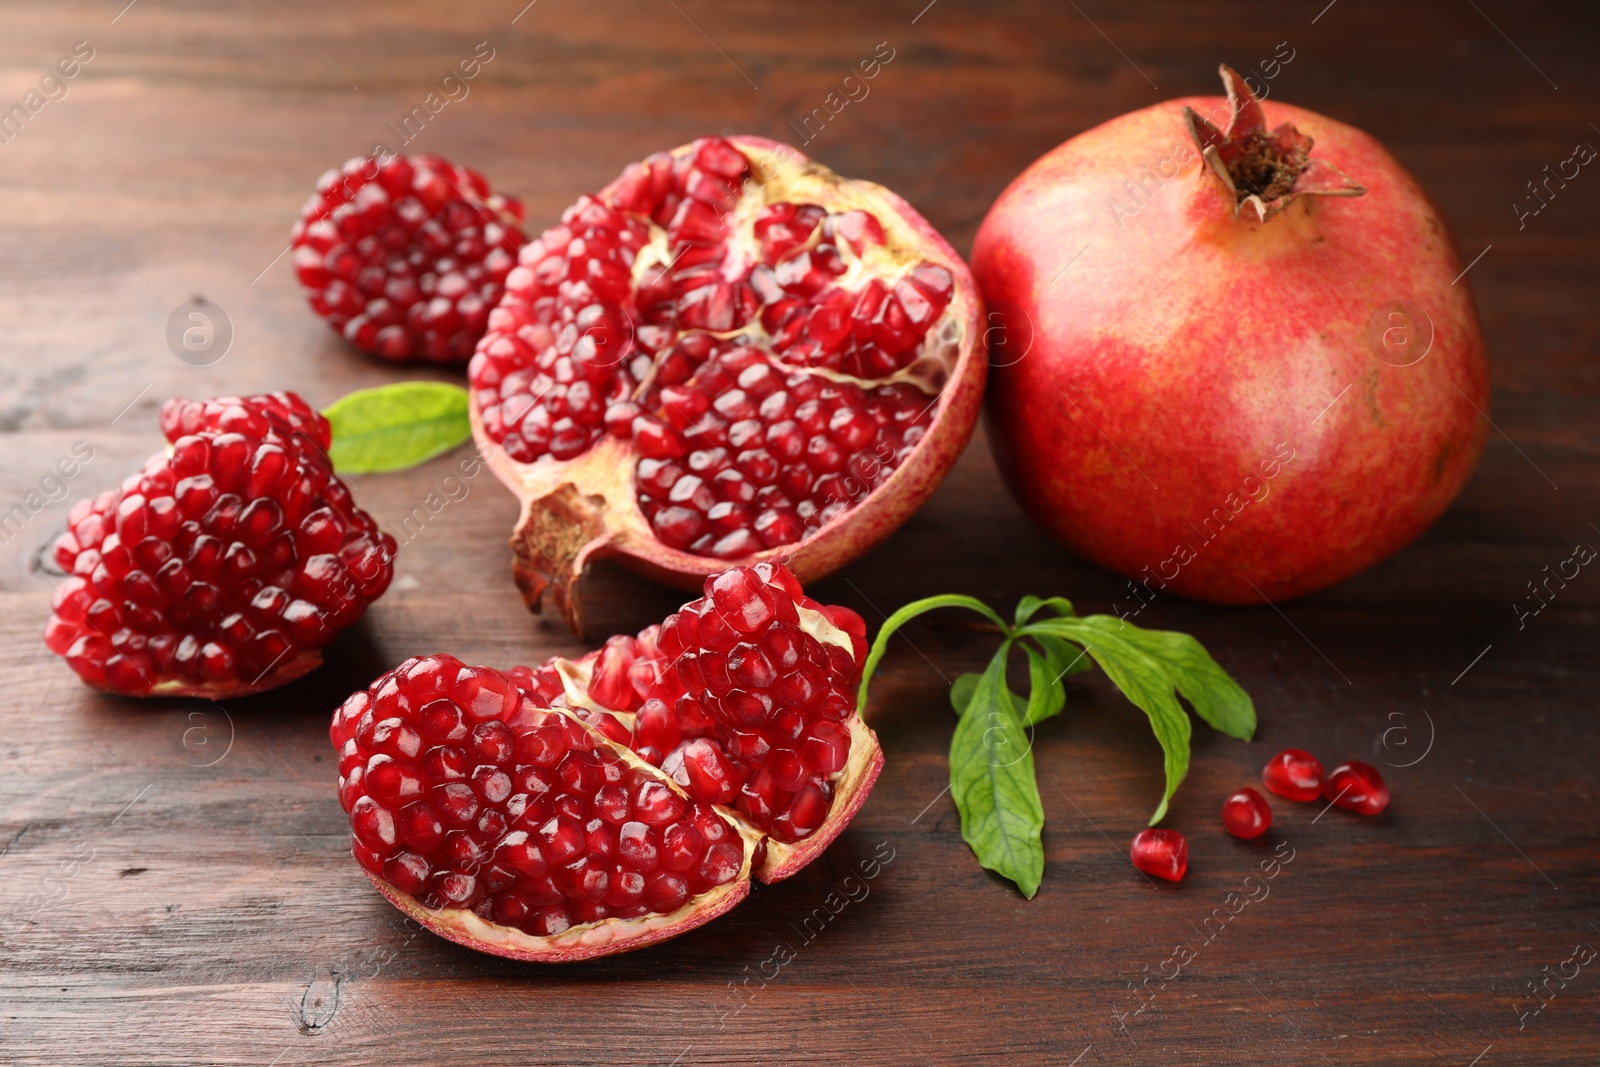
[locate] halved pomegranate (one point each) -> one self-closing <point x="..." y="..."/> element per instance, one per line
<point x="579" y="809"/>
<point x="728" y="354"/>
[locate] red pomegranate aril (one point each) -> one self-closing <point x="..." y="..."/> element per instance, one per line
<point x="709" y="773"/>
<point x="639" y="847"/>
<point x="1160" y="853"/>
<point x="656" y="805"/>
<point x="826" y="748"/>
<point x="806" y="812"/>
<point x="521" y="855"/>
<point x="627" y="887"/>
<point x="666" y="891"/>
<point x="373" y="824"/>
<point x="1246" y="814"/>
<point x="1293" y="774"/>
<point x="456" y="803"/>
<point x="682" y="847"/>
<point x="1357" y="787"/>
<point x="407" y="872"/>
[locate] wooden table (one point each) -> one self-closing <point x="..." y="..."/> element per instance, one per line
<point x="176" y="887"/>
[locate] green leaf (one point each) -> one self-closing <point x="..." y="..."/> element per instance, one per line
<point x="1065" y="659"/>
<point x="1029" y="606"/>
<point x="993" y="785"/>
<point x="1046" y="695"/>
<point x="1216" y="697"/>
<point x="961" y="695"/>
<point x="991" y="761"/>
<point x="1144" y="680"/>
<point x="961" y="692"/>
<point x="396" y="426"/>
<point x="880" y="644"/>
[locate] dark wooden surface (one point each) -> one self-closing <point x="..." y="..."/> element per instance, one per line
<point x="174" y="886"/>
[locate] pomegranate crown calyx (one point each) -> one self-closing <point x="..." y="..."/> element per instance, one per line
<point x="1263" y="169"/>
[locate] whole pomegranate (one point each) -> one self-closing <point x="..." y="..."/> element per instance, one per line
<point x="728" y="354"/>
<point x="582" y="808"/>
<point x="1227" y="365"/>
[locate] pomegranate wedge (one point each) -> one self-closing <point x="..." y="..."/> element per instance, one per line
<point x="583" y="808"/>
<point x="225" y="565"/>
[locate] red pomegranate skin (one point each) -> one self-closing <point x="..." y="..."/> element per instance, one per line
<point x="1213" y="404"/>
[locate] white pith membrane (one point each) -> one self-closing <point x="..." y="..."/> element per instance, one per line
<point x="615" y="934"/>
<point x="589" y="506"/>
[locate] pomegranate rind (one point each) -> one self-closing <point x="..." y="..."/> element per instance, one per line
<point x="584" y="942"/>
<point x="577" y="511"/>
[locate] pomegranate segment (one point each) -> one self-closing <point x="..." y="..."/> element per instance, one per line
<point x="718" y="358"/>
<point x="406" y="256"/>
<point x="466" y="799"/>
<point x="222" y="568"/>
<point x="582" y="808"/>
<point x="1293" y="774"/>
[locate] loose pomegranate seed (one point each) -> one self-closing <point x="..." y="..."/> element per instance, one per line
<point x="223" y="568"/>
<point x="1293" y="774"/>
<point x="1160" y="853"/>
<point x="406" y="256"/>
<point x="1357" y="787"/>
<point x="708" y="362"/>
<point x="1246" y="815"/>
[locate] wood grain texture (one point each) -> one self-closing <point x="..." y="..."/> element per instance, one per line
<point x="174" y="885"/>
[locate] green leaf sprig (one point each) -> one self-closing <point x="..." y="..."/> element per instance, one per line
<point x="991" y="757"/>
<point x="396" y="426"/>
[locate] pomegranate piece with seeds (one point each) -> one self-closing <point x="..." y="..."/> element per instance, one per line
<point x="225" y="565"/>
<point x="406" y="256"/>
<point x="1357" y="787"/>
<point x="1160" y="854"/>
<point x="1293" y="774"/>
<point x="729" y="354"/>
<point x="578" y="809"/>
<point x="1246" y="815"/>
